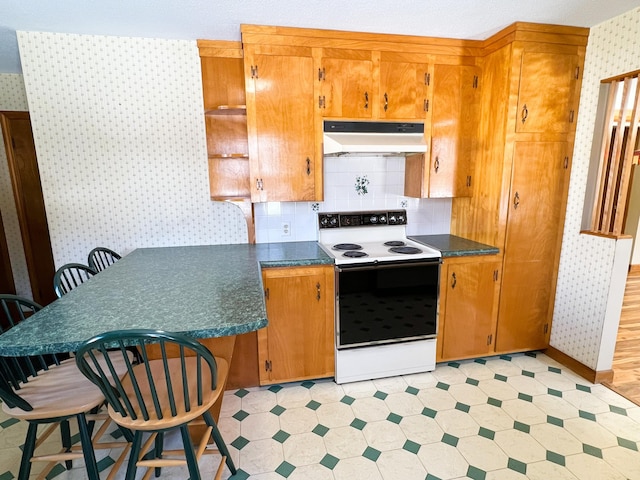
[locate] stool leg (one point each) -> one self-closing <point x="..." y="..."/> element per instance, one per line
<point x="134" y="453"/>
<point x="219" y="441"/>
<point x="87" y="448"/>
<point x="27" y="452"/>
<point x="192" y="462"/>
<point x="65" y="433"/>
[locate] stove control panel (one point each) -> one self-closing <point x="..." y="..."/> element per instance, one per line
<point x="362" y="219"/>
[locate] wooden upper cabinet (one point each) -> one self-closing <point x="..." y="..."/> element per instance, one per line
<point x="404" y="88"/>
<point x="346" y="83"/>
<point x="280" y="121"/>
<point x="546" y="100"/>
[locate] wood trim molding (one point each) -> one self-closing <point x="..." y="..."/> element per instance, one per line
<point x="634" y="268"/>
<point x="585" y="372"/>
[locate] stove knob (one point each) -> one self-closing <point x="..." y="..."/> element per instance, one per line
<point x="324" y="221"/>
<point x="401" y="219"/>
<point x="373" y="219"/>
<point x="333" y="221"/>
<point x="392" y="220"/>
<point x="383" y="219"/>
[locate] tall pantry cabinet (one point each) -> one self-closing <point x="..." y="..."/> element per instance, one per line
<point x="531" y="76"/>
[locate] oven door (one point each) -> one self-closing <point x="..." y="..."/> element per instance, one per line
<point x="386" y="302"/>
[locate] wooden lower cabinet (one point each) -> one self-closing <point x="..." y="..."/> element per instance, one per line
<point x="469" y="291"/>
<point x="298" y="343"/>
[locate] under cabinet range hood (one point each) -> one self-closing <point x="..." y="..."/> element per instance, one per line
<point x="373" y="138"/>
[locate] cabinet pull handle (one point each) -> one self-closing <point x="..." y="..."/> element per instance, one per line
<point x="308" y="166"/>
<point x="266" y="293"/>
<point x="427" y="79"/>
<point x="366" y="100"/>
<point x="495" y="275"/>
<point x="516" y="200"/>
<point x="426" y="105"/>
<point x="386" y="101"/>
<point x="571" y="115"/>
<point x="546" y="328"/>
<point x="436" y="165"/>
<point x="577" y="75"/>
<point x="454" y="280"/>
<point x="468" y="180"/>
<point x="566" y="162"/>
<point x="489" y="339"/>
<point x="318" y="291"/>
<point x="525" y="113"/>
<point x="475" y="81"/>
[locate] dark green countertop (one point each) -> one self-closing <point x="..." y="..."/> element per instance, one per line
<point x="454" y="246"/>
<point x="203" y="291"/>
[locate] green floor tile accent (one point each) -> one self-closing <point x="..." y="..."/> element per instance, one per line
<point x="313" y="405"/>
<point x="278" y="410"/>
<point x="412" y="390"/>
<point x="347" y="399"/>
<point x="380" y="395"/>
<point x="320" y="430"/>
<point x="555" y="458"/>
<point x="394" y="418"/>
<point x="450" y="440"/>
<point x="329" y="461"/>
<point x="454" y="364"/>
<point x="6" y="476"/>
<point x="462" y="407"/>
<point x="525" y="397"/>
<point x="555" y="393"/>
<point x="412" y="447"/>
<point x="618" y="410"/>
<point x="583" y="388"/>
<point x="475" y="473"/>
<point x="495" y="402"/>
<point x="587" y="415"/>
<point x="531" y="354"/>
<point x="555" y="370"/>
<point x="521" y="427"/>
<point x="623" y="442"/>
<point x="240" y="475"/>
<point x="239" y="443"/>
<point x="9" y="422"/>
<point x="307" y="384"/>
<point x="105" y="463"/>
<point x="526" y="373"/>
<point x="517" y="466"/>
<point x="241" y="393"/>
<point x="442" y="386"/>
<point x="499" y="377"/>
<point x="275" y="388"/>
<point x="555" y="421"/>
<point x="427" y="412"/>
<point x="117" y="434"/>
<point x="432" y="477"/>
<point x="240" y="415"/>
<point x="591" y="450"/>
<point x="55" y="471"/>
<point x="481" y="361"/>
<point x="472" y="381"/>
<point x="486" y="433"/>
<point x="281" y="436"/>
<point x="75" y="439"/>
<point x="357" y="423"/>
<point x="505" y="357"/>
<point x="371" y="454"/>
<point x="285" y="469"/>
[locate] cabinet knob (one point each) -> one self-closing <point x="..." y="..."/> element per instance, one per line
<point x="436" y="164"/>
<point x="366" y="100"/>
<point x="386" y="102"/>
<point x="308" y="166"/>
<point x="525" y="113"/>
<point x="318" y="291"/>
<point x="516" y="200"/>
<point x="454" y="280"/>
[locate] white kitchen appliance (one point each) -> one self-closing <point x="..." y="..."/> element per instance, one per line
<point x="386" y="295"/>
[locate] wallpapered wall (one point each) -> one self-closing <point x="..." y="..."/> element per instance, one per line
<point x="12" y="98"/>
<point x="119" y="130"/>
<point x="581" y="324"/>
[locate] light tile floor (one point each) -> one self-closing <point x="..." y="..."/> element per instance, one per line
<point x="498" y="418"/>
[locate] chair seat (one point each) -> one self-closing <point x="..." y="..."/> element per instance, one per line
<point x="169" y="421"/>
<point x="61" y="391"/>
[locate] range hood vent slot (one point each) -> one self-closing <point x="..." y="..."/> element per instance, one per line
<point x="372" y="138"/>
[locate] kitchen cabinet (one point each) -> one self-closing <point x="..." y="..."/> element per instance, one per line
<point x="298" y="343"/>
<point x="280" y="123"/>
<point x="404" y="87"/>
<point x="446" y="171"/>
<point x="469" y="292"/>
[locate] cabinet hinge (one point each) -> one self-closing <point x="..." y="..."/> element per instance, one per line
<point x="571" y="115"/>
<point x="427" y="79"/>
<point x="489" y="339"/>
<point x="266" y="293"/>
<point x="259" y="185"/>
<point x="577" y="76"/>
<point x="321" y="74"/>
<point x="468" y="180"/>
<point x="546" y="328"/>
<point x="475" y="81"/>
<point x="267" y="365"/>
<point x="254" y="71"/>
<point x="322" y="101"/>
<point x="566" y="162"/>
<point x="426" y="105"/>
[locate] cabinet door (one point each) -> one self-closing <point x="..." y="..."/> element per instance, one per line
<point x="470" y="310"/>
<point x="404" y="90"/>
<point x="533" y="235"/>
<point x="546" y="100"/>
<point x="454" y="126"/>
<point x="298" y="343"/>
<point x="346" y="83"/>
<point x="280" y="121"/>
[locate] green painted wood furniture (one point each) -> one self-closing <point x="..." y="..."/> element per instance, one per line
<point x="101" y="258"/>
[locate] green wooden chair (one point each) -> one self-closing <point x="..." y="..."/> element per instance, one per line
<point x="49" y="389"/>
<point x="176" y="385"/>
<point x="102" y="257"/>
<point x="69" y="276"/>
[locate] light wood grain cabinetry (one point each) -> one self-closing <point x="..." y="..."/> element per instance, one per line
<point x="469" y="292"/>
<point x="404" y="86"/>
<point x="298" y="343"/>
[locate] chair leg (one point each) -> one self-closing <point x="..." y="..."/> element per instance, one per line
<point x="65" y="433"/>
<point x="190" y="454"/>
<point x="158" y="451"/>
<point x="219" y="441"/>
<point x="87" y="448"/>
<point x="27" y="452"/>
<point x="134" y="453"/>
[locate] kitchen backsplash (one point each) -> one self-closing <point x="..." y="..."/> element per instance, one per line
<point x="352" y="184"/>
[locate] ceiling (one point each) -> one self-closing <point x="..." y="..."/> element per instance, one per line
<point x="221" y="19"/>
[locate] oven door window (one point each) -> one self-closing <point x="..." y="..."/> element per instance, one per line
<point x="387" y="303"/>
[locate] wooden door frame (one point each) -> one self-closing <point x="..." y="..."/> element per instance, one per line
<point x="7" y="285"/>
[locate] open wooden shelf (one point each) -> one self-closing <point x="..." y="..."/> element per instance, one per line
<point x="227" y="110"/>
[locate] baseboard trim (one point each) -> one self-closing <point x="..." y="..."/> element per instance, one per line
<point x="581" y="369"/>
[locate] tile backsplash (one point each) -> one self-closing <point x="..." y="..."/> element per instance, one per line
<point x="353" y="184"/>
